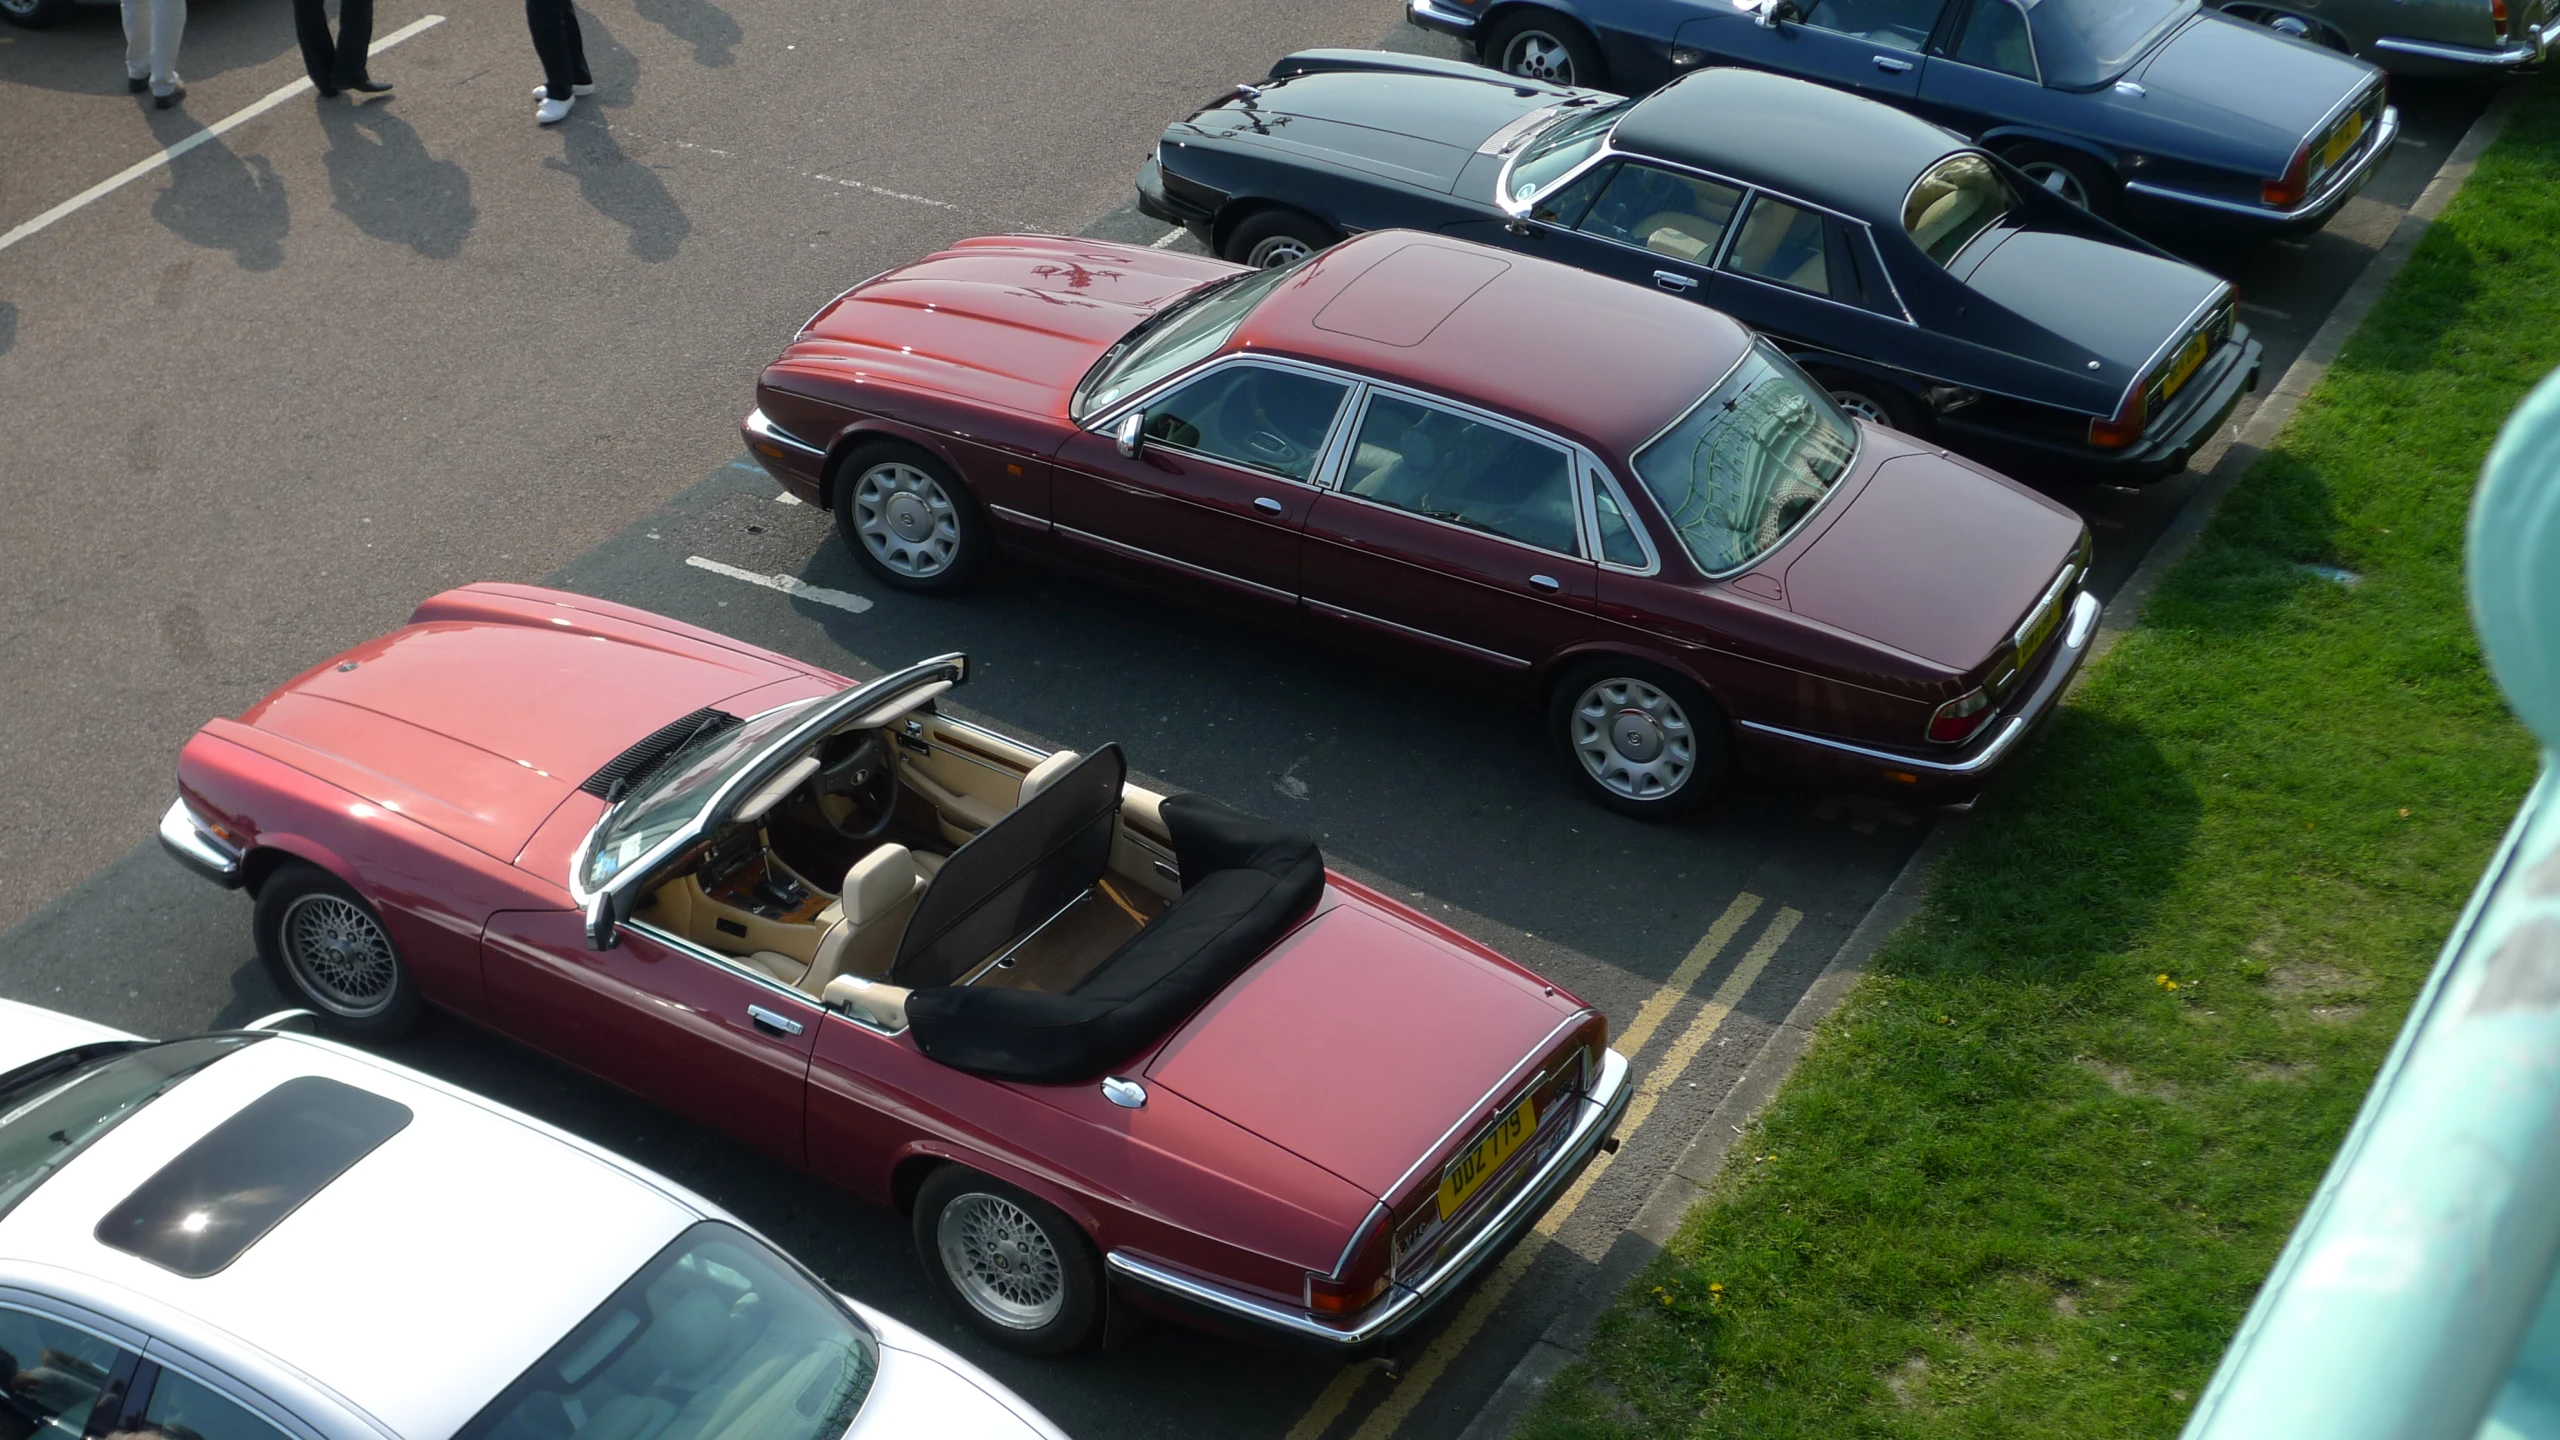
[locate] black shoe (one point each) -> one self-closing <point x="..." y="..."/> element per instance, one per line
<point x="135" y="87"/>
<point x="369" y="87"/>
<point x="163" y="102"/>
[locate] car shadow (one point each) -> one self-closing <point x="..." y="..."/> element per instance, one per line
<point x="382" y="178"/>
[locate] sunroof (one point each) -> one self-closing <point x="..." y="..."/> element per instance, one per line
<point x="200" y="1211"/>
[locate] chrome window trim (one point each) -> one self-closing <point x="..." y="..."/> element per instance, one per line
<point x="1123" y="547"/>
<point x="2033" y="58"/>
<point x="133" y="1341"/>
<point x="1572" y="454"/>
<point x="234" y="1389"/>
<point x="1923" y="177"/>
<point x="1502" y="179"/>
<point x="1110" y="415"/>
<point x="1596" y="474"/>
<point x="1858" y="446"/>
<point x="1341" y="612"/>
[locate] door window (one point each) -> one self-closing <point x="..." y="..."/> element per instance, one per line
<point x="1781" y="242"/>
<point x="1251" y="415"/>
<point x="1894" y="24"/>
<point x="1468" y="472"/>
<point x="1995" y="38"/>
<point x="51" y="1375"/>
<point x="1667" y="213"/>
<point x="183" y="1408"/>
<point x="1618" y="543"/>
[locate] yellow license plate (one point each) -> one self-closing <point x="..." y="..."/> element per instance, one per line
<point x="2190" y="358"/>
<point x="2342" y="140"/>
<point x="1468" y="1172"/>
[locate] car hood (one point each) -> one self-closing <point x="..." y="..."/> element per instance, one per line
<point x="1010" y="320"/>
<point x="1417" y="129"/>
<point x="1935" y="557"/>
<point x="486" y="711"/>
<point x="29" y="1033"/>
<point x="2092" y="300"/>
<point x="1360" y="1042"/>
<point x="2237" y="87"/>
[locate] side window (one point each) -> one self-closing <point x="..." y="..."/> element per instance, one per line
<point x="1783" y="243"/>
<point x="1894" y="24"/>
<point x="1249" y="415"/>
<point x="185" y="1409"/>
<point x="1664" y="212"/>
<point x="1424" y="459"/>
<point x="1995" y="38"/>
<point x="1618" y="543"/>
<point x="1566" y="206"/>
<point x="51" y="1376"/>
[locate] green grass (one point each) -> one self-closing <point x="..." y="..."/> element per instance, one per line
<point x="2021" y="1185"/>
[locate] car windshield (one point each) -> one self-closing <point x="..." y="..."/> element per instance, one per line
<point x="2087" y="43"/>
<point x="1744" y="467"/>
<point x="1567" y="141"/>
<point x="48" y="1113"/>
<point x="669" y="799"/>
<point x="1959" y="198"/>
<point x="1192" y="327"/>
<point x="718" y="1338"/>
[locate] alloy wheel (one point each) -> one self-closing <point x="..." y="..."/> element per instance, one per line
<point x="1634" y="739"/>
<point x="906" y="519"/>
<point x="1001" y="1261"/>
<point x="1539" y="56"/>
<point x="1278" y="250"/>
<point x="340" y="955"/>
<point x="2056" y="177"/>
<point x="1865" y="407"/>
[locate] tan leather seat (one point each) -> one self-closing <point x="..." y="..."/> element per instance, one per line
<point x="1041" y="774"/>
<point x="879" y="893"/>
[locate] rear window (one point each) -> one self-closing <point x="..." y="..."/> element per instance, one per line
<point x="221" y="1194"/>
<point x="49" y="1112"/>
<point x="718" y="1338"/>
<point x="1959" y="198"/>
<point x="1739" y="472"/>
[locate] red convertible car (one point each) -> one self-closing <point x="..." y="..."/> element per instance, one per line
<point x="1597" y="497"/>
<point x="1105" y="1047"/>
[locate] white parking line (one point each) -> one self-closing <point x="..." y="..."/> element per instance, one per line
<point x="219" y="127"/>
<point x="791" y="585"/>
<point x="1170" y="236"/>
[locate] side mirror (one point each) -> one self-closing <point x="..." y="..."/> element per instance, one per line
<point x="602" y="928"/>
<point x="1773" y="11"/>
<point x="1131" y="433"/>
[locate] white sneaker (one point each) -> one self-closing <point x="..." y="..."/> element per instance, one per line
<point x="543" y="92"/>
<point x="552" y="112"/>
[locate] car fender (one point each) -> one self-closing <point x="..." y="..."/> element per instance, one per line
<point x="863" y="429"/>
<point x="1622" y="647"/>
<point x="1311" y="62"/>
<point x="2001" y="137"/>
<point x="927" y="1152"/>
<point x="1814" y="357"/>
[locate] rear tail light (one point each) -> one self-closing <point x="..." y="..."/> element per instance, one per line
<point x="2286" y="193"/>
<point x="1340" y="1297"/>
<point x="1960" y="717"/>
<point x="2125" y="426"/>
<point x="2498" y="17"/>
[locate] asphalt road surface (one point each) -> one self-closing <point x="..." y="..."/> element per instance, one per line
<point x="256" y="404"/>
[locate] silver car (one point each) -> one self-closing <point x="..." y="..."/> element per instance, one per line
<point x="2415" y="37"/>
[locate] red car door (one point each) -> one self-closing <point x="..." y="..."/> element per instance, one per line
<point x="1213" y="502"/>
<point x="1453" y="536"/>
<point x="726" y="1049"/>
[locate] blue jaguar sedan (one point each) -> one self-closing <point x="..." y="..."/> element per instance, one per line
<point x="2160" y="114"/>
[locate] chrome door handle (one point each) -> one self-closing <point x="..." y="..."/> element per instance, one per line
<point x="1267" y="505"/>
<point x="773" y="1022"/>
<point x="1891" y="66"/>
<point x="1547" y="583"/>
<point x="1675" y="282"/>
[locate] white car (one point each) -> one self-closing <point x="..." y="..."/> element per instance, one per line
<point x="257" y="1235"/>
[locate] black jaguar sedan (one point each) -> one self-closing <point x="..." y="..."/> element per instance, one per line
<point x="1927" y="283"/>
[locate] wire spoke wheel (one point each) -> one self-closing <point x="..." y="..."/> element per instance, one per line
<point x="1633" y="738"/>
<point x="340" y="955"/>
<point x="906" y="519"/>
<point x="1001" y="1260"/>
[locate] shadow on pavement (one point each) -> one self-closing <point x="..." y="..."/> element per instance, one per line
<point x="83" y="54"/>
<point x="621" y="189"/>
<point x="706" y="27"/>
<point x="220" y="200"/>
<point x="382" y="178"/>
<point x="8" y="326"/>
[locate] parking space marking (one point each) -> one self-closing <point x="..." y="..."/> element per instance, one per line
<point x="791" y="585"/>
<point x="218" y="128"/>
<point x="1448" y="1344"/>
<point x="1168" y="238"/>
<point x="1337" y="1396"/>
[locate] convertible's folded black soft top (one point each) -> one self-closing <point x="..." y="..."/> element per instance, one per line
<point x="1244" y="883"/>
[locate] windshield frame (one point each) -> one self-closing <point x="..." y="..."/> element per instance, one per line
<point x="1519" y="207"/>
<point x="824" y="715"/>
<point x="1083" y="409"/>
<point x="1759" y="347"/>
<point x="100" y="1057"/>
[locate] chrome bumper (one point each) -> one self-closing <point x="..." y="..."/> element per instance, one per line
<point x="192" y="843"/>
<point x="2532" y="49"/>
<point x="2340" y="188"/>
<point x="1439" y="15"/>
<point x="1602" y="1106"/>
<point x="758" y="427"/>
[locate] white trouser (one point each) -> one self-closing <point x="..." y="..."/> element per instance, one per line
<point x="152" y="29"/>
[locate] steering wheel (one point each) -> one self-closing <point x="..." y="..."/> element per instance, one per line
<point x="866" y="777"/>
<point x="1273" y="449"/>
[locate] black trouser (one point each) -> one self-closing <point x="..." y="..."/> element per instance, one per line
<point x="555" y="38"/>
<point x="334" y="65"/>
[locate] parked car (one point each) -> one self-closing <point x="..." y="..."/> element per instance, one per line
<point x="2154" y="112"/>
<point x="2437" y="37"/>
<point x="252" y="1235"/>
<point x="1037" y="1009"/>
<point x="1573" y="491"/>
<point x="1924" y="282"/>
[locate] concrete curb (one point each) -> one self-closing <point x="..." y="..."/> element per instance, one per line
<point x="1702" y="1160"/>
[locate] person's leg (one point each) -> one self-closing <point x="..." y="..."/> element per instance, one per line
<point x="577" y="43"/>
<point x="545" y="18"/>
<point x="168" y="27"/>
<point x="355" y="38"/>
<point x="319" y="52"/>
<point x="137" y="39"/>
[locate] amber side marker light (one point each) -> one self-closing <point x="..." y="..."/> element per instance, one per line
<point x="770" y="452"/>
<point x="1336" y="1297"/>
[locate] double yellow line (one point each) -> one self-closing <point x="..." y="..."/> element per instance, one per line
<point x="1665" y="1071"/>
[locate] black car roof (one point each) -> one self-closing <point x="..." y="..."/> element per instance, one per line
<point x="1810" y="141"/>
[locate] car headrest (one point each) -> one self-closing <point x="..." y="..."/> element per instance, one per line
<point x="1046" y="771"/>
<point x="878" y="883"/>
<point x="1421" y="453"/>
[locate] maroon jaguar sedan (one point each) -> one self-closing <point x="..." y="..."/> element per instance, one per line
<point x="1580" y="493"/>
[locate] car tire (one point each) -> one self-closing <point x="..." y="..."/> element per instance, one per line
<point x="1012" y="1265"/>
<point x="908" y="519"/>
<point x="1276" y="236"/>
<point x="34" y="14"/>
<point x="1871" y="399"/>
<point x="2072" y="176"/>
<point x="327" y="948"/>
<point x="1642" y="741"/>
<point x="1544" y="46"/>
